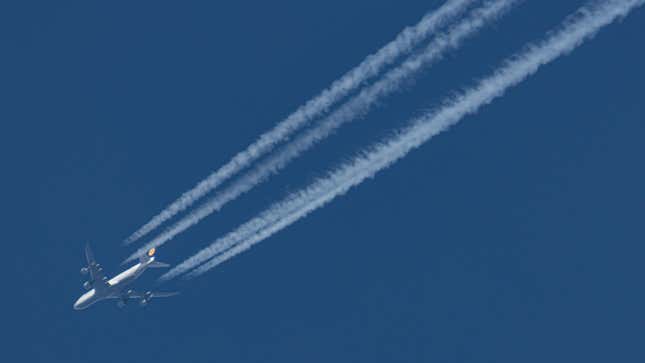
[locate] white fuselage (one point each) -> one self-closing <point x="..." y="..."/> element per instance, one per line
<point x="114" y="288"/>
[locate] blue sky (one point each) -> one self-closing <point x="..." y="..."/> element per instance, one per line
<point x="516" y="236"/>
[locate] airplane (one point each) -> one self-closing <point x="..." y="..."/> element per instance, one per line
<point x="101" y="288"/>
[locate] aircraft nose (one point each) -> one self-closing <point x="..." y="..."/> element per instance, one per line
<point x="84" y="301"/>
<point x="77" y="304"/>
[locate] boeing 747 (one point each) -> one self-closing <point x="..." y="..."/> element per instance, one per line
<point x="100" y="287"/>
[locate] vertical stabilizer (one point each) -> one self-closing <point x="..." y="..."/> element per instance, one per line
<point x="148" y="256"/>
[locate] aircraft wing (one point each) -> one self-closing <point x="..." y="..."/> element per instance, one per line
<point x="98" y="278"/>
<point x="150" y="294"/>
<point x="164" y="294"/>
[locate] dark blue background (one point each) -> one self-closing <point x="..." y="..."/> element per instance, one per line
<point x="515" y="237"/>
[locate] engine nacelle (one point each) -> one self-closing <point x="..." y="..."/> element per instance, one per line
<point x="84" y="271"/>
<point x="87" y="285"/>
<point x="143" y="302"/>
<point x="147" y="295"/>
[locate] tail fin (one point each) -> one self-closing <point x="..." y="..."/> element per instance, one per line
<point x="148" y="256"/>
<point x="157" y="264"/>
<point x="149" y="259"/>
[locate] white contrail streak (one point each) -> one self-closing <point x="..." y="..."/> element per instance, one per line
<point x="358" y="105"/>
<point x="575" y="30"/>
<point x="405" y="42"/>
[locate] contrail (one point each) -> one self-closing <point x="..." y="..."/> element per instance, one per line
<point x="578" y="28"/>
<point x="404" y="42"/>
<point x="357" y="106"/>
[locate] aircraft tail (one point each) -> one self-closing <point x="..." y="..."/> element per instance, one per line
<point x="148" y="256"/>
<point x="149" y="259"/>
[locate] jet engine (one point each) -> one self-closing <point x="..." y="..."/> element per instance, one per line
<point x="87" y="285"/>
<point x="84" y="271"/>
<point x="145" y="299"/>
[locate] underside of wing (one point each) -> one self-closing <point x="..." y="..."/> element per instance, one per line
<point x="97" y="276"/>
<point x="143" y="297"/>
<point x="150" y="294"/>
<point x="164" y="294"/>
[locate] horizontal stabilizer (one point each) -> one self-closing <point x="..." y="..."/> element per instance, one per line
<point x="157" y="264"/>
